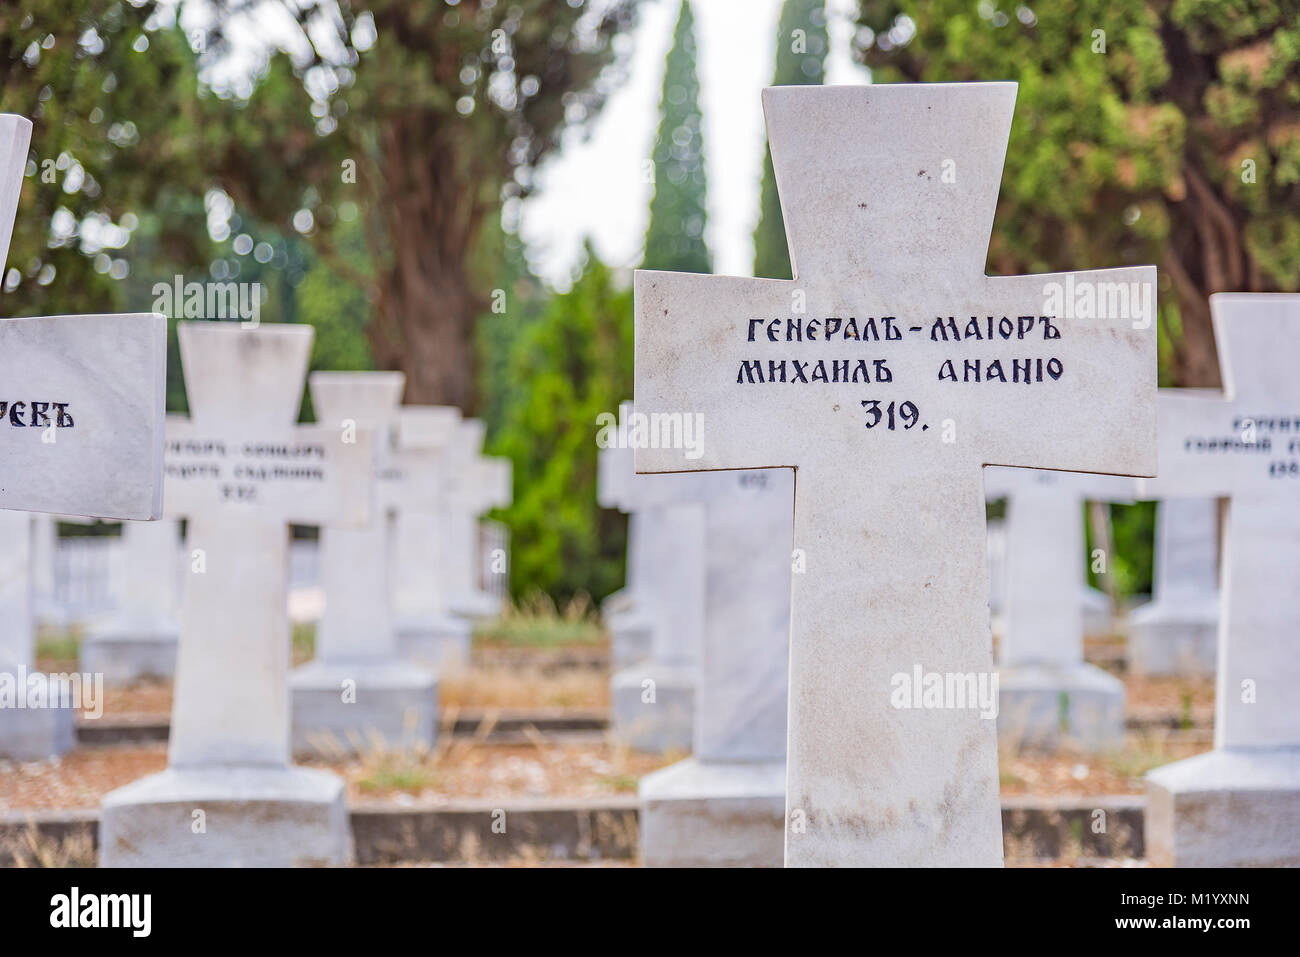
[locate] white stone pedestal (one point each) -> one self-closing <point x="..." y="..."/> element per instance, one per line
<point x="350" y="706"/>
<point x="631" y="638"/>
<point x="34" y="734"/>
<point x="1226" y="808"/>
<point x="443" y="642"/>
<point x="1049" y="706"/>
<point x="652" y="706"/>
<point x="713" y="814"/>
<point x="240" y="816"/>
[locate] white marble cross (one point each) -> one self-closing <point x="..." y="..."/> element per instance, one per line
<point x="888" y="372"/>
<point x="81" y="397"/>
<point x="419" y="586"/>
<point x="476" y="484"/>
<point x="1244" y="444"/>
<point x="1045" y="564"/>
<point x="355" y="562"/>
<point x="240" y="469"/>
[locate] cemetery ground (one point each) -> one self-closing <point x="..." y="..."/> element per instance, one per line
<point x="524" y="731"/>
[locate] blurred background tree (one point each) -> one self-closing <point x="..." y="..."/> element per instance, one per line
<point x="801" y="46"/>
<point x="426" y="116"/>
<point x="574" y="362"/>
<point x="116" y="117"/>
<point x="1157" y="131"/>
<point x="679" y="207"/>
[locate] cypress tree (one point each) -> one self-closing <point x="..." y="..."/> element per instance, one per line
<point x="801" y="44"/>
<point x="675" y="238"/>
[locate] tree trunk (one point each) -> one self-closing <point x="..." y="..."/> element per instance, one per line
<point x="428" y="228"/>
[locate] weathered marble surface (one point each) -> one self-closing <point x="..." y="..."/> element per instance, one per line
<point x="82" y="396"/>
<point x="1177" y="632"/>
<point x="892" y="521"/>
<point x="725" y="805"/>
<point x="358" y="691"/>
<point x="228" y="753"/>
<point x="1239" y="805"/>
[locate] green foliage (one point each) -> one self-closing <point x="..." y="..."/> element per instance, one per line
<point x="115" y="111"/>
<point x="801" y="45"/>
<point x="573" y="363"/>
<point x="1134" y="528"/>
<point x="678" y="210"/>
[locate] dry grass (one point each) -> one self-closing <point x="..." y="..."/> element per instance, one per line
<point x="33" y="849"/>
<point x="536" y="622"/>
<point x="524" y="687"/>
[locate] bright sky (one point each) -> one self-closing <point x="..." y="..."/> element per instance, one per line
<point x="597" y="185"/>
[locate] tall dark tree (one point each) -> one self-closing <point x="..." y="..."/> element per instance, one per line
<point x="678" y="213"/>
<point x="427" y="116"/>
<point x="801" y="47"/>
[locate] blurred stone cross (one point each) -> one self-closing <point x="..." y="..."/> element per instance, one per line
<point x="888" y="372"/>
<point x="240" y="469"/>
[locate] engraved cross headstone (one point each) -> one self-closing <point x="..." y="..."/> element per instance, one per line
<point x="888" y="372"/>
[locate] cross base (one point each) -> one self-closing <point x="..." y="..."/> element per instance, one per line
<point x="1229" y="808"/>
<point x="395" y="707"/>
<point x="253" y="816"/>
<point x="713" y="814"/>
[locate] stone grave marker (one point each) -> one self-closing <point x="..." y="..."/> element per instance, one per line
<point x="652" y="701"/>
<point x="241" y="470"/>
<point x="138" y="639"/>
<point x="724" y="805"/>
<point x="626" y="612"/>
<point x="426" y="629"/>
<point x="1239" y="805"/>
<point x="1048" y="696"/>
<point x="359" y="692"/>
<point x="888" y="372"/>
<point x="81" y="407"/>
<point x="1176" y="633"/>
<point x="476" y="483"/>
